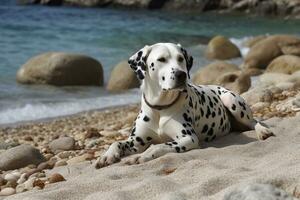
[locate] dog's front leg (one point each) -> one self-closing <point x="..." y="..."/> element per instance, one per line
<point x="140" y="139"/>
<point x="181" y="144"/>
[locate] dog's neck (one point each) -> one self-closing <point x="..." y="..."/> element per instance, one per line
<point x="155" y="96"/>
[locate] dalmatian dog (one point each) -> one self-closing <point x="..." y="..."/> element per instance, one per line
<point x="176" y="115"/>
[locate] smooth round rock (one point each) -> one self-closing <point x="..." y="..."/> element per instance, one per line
<point x="62" y="144"/>
<point x="210" y="73"/>
<point x="7" y="191"/>
<point x="122" y="78"/>
<point x="222" y="49"/>
<point x="60" y="69"/>
<point x="287" y="64"/>
<point x="20" y="156"/>
<point x="54" y="178"/>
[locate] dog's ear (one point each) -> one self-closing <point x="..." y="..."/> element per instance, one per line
<point x="188" y="59"/>
<point x="138" y="63"/>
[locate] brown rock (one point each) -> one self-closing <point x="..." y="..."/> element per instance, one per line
<point x="221" y="48"/>
<point x="264" y="51"/>
<point x="122" y="77"/>
<point x="252" y="41"/>
<point x="286" y="64"/>
<point x="54" y="178"/>
<point x="92" y="132"/>
<point x="237" y="81"/>
<point x="39" y="183"/>
<point x="210" y="73"/>
<point x="57" y="68"/>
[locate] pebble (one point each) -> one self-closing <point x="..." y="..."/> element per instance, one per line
<point x="39" y="183"/>
<point x="13" y="176"/>
<point x="7" y="191"/>
<point x="20" y="188"/>
<point x="65" y="154"/>
<point x="62" y="162"/>
<point x="62" y="144"/>
<point x="22" y="178"/>
<point x="54" y="178"/>
<point x="91" y="133"/>
<point x="81" y="158"/>
<point x="110" y="133"/>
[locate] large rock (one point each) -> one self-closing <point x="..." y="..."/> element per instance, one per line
<point x="222" y="49"/>
<point x="236" y="81"/>
<point x="151" y="4"/>
<point x="254" y="40"/>
<point x="264" y="51"/>
<point x="57" y="68"/>
<point x="20" y="156"/>
<point x="189" y="5"/>
<point x="286" y="64"/>
<point x="256" y="191"/>
<point x="88" y="3"/>
<point x="62" y="144"/>
<point x="210" y="73"/>
<point x="122" y="77"/>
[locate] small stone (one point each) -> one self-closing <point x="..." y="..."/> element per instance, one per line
<point x="92" y="132"/>
<point x="20" y="188"/>
<point x="22" y="178"/>
<point x="29" y="183"/>
<point x="110" y="133"/>
<point x="28" y="138"/>
<point x="81" y="158"/>
<point x="46" y="165"/>
<point x="56" y="178"/>
<point x="62" y="162"/>
<point x="62" y="144"/>
<point x="39" y="183"/>
<point x="13" y="176"/>
<point x="7" y="191"/>
<point x="65" y="154"/>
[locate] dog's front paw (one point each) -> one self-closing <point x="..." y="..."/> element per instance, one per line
<point x="111" y="156"/>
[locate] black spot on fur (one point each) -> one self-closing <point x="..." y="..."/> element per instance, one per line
<point x="233" y="107"/>
<point x="242" y="114"/>
<point x="140" y="140"/>
<point x="177" y="149"/>
<point x="146" y="118"/>
<point x="204" y="129"/>
<point x="149" y="138"/>
<point x="210" y="132"/>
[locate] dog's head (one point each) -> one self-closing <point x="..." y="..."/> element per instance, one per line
<point x="165" y="64"/>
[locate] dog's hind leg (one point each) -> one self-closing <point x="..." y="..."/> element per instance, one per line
<point x="243" y="114"/>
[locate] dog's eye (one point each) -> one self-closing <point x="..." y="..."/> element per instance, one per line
<point x="180" y="59"/>
<point x="162" y="59"/>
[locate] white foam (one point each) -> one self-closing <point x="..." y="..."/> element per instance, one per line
<point x="38" y="111"/>
<point x="240" y="43"/>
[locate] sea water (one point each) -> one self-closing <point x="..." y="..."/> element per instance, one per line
<point x="108" y="35"/>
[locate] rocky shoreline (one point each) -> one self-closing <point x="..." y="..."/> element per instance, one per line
<point x="280" y="8"/>
<point x="35" y="156"/>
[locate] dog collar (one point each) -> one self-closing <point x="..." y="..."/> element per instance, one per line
<point x="161" y="107"/>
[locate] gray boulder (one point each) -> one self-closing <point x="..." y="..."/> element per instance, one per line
<point x="57" y="68"/>
<point x="20" y="156"/>
<point x="258" y="192"/>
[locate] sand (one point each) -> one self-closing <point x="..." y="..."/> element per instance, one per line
<point x="206" y="173"/>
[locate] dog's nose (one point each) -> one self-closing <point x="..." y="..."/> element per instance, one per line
<point x="180" y="76"/>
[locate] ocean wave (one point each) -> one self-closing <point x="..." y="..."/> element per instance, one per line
<point x="37" y="111"/>
<point x="240" y="43"/>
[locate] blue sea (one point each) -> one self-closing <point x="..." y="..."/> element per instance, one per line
<point x="108" y="35"/>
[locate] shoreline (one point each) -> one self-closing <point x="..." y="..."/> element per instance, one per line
<point x="49" y="119"/>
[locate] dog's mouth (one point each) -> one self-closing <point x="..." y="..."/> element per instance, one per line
<point x="178" y="87"/>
